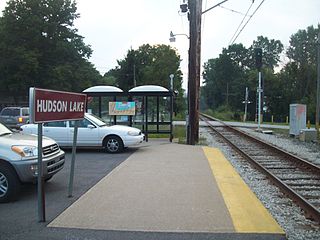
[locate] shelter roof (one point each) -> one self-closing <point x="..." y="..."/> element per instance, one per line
<point x="149" y="90"/>
<point x="103" y="90"/>
<point x="145" y="90"/>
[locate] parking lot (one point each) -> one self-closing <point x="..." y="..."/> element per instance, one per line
<point x="19" y="220"/>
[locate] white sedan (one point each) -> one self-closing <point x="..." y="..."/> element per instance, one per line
<point x="92" y="132"/>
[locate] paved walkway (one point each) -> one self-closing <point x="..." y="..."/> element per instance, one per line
<point x="168" y="187"/>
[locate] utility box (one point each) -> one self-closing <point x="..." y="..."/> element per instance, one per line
<point x="308" y="135"/>
<point x="298" y="118"/>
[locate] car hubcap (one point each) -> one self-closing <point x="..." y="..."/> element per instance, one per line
<point x="3" y="185"/>
<point x="113" y="145"/>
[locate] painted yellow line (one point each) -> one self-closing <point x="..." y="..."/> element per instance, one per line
<point x="247" y="212"/>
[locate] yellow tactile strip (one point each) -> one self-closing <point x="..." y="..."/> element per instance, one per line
<point x="247" y="212"/>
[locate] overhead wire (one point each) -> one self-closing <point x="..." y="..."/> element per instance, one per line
<point x="234" y="11"/>
<point x="241" y="22"/>
<point x="247" y="22"/>
<point x="204" y="18"/>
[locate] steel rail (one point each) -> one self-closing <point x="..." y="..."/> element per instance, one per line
<point x="310" y="211"/>
<point x="314" y="168"/>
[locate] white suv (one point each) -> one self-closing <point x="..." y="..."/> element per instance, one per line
<point x="19" y="158"/>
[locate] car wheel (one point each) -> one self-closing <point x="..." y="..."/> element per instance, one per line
<point x="9" y="184"/>
<point x="113" y="144"/>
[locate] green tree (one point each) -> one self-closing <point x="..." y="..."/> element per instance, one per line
<point x="299" y="75"/>
<point x="227" y="76"/>
<point x="302" y="49"/>
<point x="40" y="47"/>
<point x="222" y="78"/>
<point x="239" y="55"/>
<point x="271" y="50"/>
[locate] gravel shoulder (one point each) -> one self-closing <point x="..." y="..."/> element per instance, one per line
<point x="286" y="213"/>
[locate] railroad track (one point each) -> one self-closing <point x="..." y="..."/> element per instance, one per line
<point x="296" y="177"/>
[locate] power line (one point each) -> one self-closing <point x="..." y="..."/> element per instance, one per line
<point x="234" y="11"/>
<point x="241" y="22"/>
<point x="207" y="10"/>
<point x="204" y="17"/>
<point x="247" y="22"/>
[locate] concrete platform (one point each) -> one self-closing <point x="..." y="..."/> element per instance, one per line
<point x="168" y="187"/>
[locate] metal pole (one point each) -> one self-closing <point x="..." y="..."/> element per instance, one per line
<point x="41" y="194"/>
<point x="146" y="114"/>
<point x="259" y="101"/>
<point x="171" y="81"/>
<point x="100" y="114"/>
<point x="318" y="85"/>
<point x="115" y="116"/>
<point x="158" y="112"/>
<point x="245" y="105"/>
<point x="171" y="106"/>
<point x="73" y="159"/>
<point x="171" y="114"/>
<point x="134" y="75"/>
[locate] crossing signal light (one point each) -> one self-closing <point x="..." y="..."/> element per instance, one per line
<point x="258" y="57"/>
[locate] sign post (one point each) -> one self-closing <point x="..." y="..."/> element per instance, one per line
<point x="73" y="158"/>
<point x="48" y="106"/>
<point x="41" y="196"/>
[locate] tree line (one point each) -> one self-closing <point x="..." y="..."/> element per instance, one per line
<point x="40" y="47"/>
<point x="227" y="76"/>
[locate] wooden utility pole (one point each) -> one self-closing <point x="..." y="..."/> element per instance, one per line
<point x="318" y="85"/>
<point x="195" y="8"/>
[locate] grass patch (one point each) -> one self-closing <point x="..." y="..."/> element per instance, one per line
<point x="179" y="132"/>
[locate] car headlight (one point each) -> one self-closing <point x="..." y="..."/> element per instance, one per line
<point x="25" y="151"/>
<point x="133" y="133"/>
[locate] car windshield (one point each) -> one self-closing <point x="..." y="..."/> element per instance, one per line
<point x="4" y="130"/>
<point x="96" y="120"/>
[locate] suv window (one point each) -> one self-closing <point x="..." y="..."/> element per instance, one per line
<point x="6" y="112"/>
<point x="25" y="112"/>
<point x="16" y="112"/>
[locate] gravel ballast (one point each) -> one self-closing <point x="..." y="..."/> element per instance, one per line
<point x="285" y="212"/>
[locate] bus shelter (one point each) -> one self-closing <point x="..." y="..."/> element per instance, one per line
<point x="153" y="107"/>
<point x="98" y="98"/>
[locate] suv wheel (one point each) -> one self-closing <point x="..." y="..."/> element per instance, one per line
<point x="113" y="144"/>
<point x="9" y="184"/>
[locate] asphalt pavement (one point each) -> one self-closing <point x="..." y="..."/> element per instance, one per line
<point x="153" y="197"/>
<point x="19" y="220"/>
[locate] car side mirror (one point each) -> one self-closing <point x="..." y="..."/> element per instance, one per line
<point x="90" y="126"/>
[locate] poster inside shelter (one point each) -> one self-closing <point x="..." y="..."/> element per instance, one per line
<point x="122" y="108"/>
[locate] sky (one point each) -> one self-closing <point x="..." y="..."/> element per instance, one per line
<point x="113" y="27"/>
